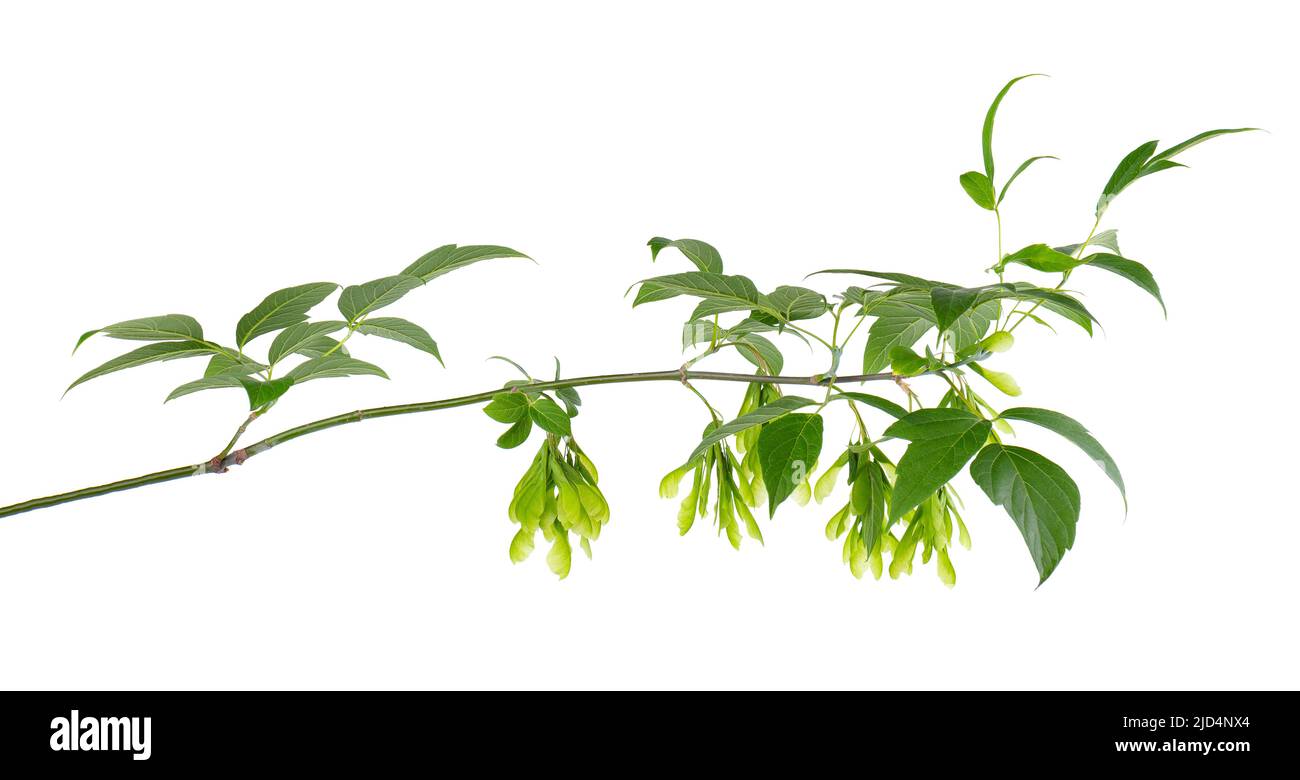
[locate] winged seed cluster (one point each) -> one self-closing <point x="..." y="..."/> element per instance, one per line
<point x="897" y="505"/>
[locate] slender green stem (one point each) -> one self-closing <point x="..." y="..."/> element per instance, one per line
<point x="238" y="432"/>
<point x="352" y="328"/>
<point x="220" y="464"/>
<point x="712" y="412"/>
<point x="100" y="490"/>
<point x="998" y="215"/>
<point x="798" y="329"/>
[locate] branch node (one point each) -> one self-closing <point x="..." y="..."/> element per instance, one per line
<point x="241" y="455"/>
<point x="217" y="465"/>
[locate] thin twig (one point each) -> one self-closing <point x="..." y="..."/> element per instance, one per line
<point x="227" y="459"/>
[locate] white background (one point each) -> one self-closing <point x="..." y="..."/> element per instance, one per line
<point x="159" y="157"/>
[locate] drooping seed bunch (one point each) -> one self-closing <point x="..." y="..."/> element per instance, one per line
<point x="558" y="494"/>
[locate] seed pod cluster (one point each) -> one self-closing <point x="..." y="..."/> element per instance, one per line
<point x="558" y="495"/>
<point x="863" y="520"/>
<point x="735" y="484"/>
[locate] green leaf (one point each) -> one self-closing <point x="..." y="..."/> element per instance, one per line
<point x="1040" y="257"/>
<point x="299" y="336"/>
<point x="281" y="309"/>
<point x="979" y="188"/>
<point x="507" y="407"/>
<point x="335" y="365"/>
<point x="970" y="327"/>
<point x="403" y="331"/>
<point x="448" y="258"/>
<point x="869" y="493"/>
<point x="788" y="443"/>
<point x="1189" y="143"/>
<point x="703" y="255"/>
<point x="883" y="404"/>
<point x="1057" y="303"/>
<point x="167" y="327"/>
<point x="1074" y="431"/>
<point x="889" y="332"/>
<point x="864" y="298"/>
<point x="262" y="393"/>
<point x="797" y="303"/>
<point x="905" y="362"/>
<point x="949" y="303"/>
<point x="151" y="353"/>
<point x="359" y="300"/>
<point x="516" y="434"/>
<point x="700" y="332"/>
<point x="986" y="136"/>
<point x="510" y="362"/>
<point x="943" y="440"/>
<point x="710" y="307"/>
<point x="731" y="289"/>
<point x="322" y="346"/>
<point x="1132" y="270"/>
<point x="549" y="416"/>
<point x="570" y="398"/>
<point x="760" y="416"/>
<point x="907" y="280"/>
<point x="1024" y="165"/>
<point x="1125" y="173"/>
<point x="231" y="364"/>
<point x="1039" y="496"/>
<point x="1106" y="238"/>
<point x="761" y="352"/>
<point x="206" y="383"/>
